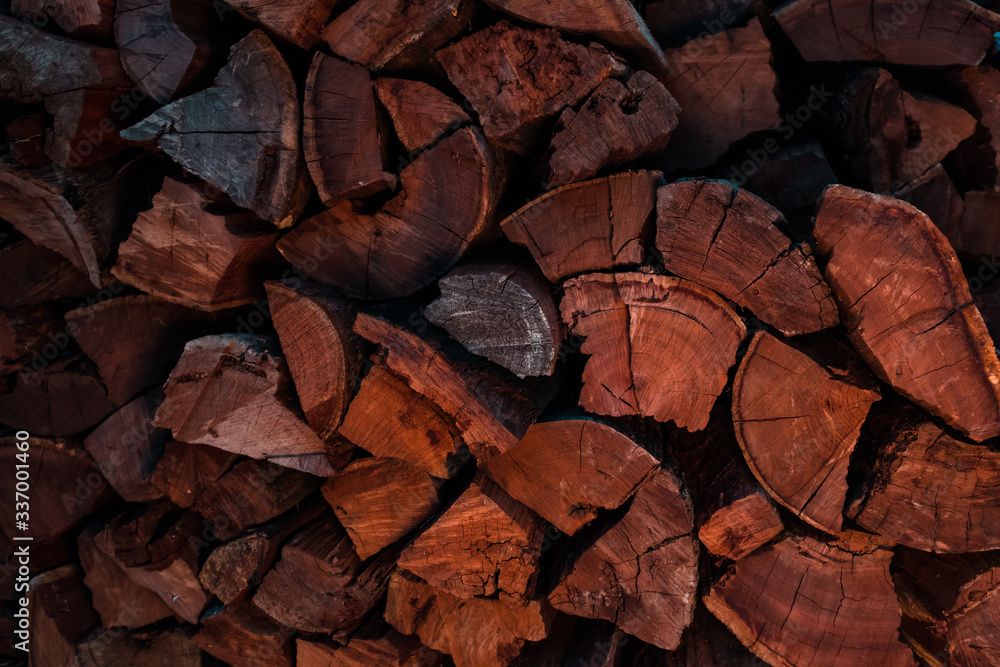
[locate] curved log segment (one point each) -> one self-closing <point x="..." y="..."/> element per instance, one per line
<point x="298" y="21"/>
<point x="420" y="113"/>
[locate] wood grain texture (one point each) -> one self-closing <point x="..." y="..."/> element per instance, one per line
<point x="298" y="21"/>
<point x="420" y="113"/>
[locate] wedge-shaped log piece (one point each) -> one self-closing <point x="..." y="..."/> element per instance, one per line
<point x="241" y="134"/>
<point x="420" y="113"/>
<point x="31" y="275"/>
<point x="80" y="18"/>
<point x="184" y="471"/>
<point x="642" y="572"/>
<point x="60" y="615"/>
<point x="798" y="416"/>
<point x="242" y="634"/>
<point x="730" y="241"/>
<point x="447" y="203"/>
<point x="589" y="226"/>
<point x="883" y="31"/>
<point x="231" y="392"/>
<point x="659" y="346"/>
<point x="443" y="622"/>
<point x="375" y="643"/>
<point x="907" y="308"/>
<point x="517" y="78"/>
<point x="298" y="21"/>
<point x="803" y="601"/>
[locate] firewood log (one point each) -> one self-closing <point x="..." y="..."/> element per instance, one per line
<point x="60" y="615"/>
<point x="515" y="78"/>
<point x="674" y="22"/>
<point x="659" y="346"/>
<point x="31" y="274"/>
<point x="975" y="232"/>
<point x="25" y="333"/>
<point x="934" y="193"/>
<point x="376" y="643"/>
<point x="598" y="224"/>
<point x="169" y="647"/>
<point x="241" y="634"/>
<point x="420" y="113"/>
<point x="980" y="88"/>
<point x="907" y="308"/>
<point x="240" y="135"/>
<point x="298" y="21"/>
<point x="79" y="18"/>
<point x="708" y="643"/>
<point x="184" y="471"/>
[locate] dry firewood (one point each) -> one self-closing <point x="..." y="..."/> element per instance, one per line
<point x="149" y="336"/>
<point x="240" y="135"/>
<point x="715" y="113"/>
<point x="598" y="224"/>
<point x="959" y="32"/>
<point x="659" y="346"/>
<point x="803" y="601"/>
<point x="934" y="193"/>
<point x="126" y="448"/>
<point x="25" y="333"/>
<point x="420" y="113"/>
<point x="165" y="254"/>
<point x="491" y="409"/>
<point x="621" y="121"/>
<point x="323" y="353"/>
<point x="60" y="614"/>
<point x="545" y="469"/>
<point x="242" y="635"/>
<point x="170" y="647"/>
<point x="675" y="22"/>
<point x="708" y="643"/>
<point x="579" y="641"/>
<point x="120" y="602"/>
<point x="975" y="233"/>
<point x="375" y="643"/>
<point x="722" y="237"/>
<point x="503" y="311"/>
<point x="798" y="412"/>
<point x="394" y="34"/>
<point x="380" y="500"/>
<point x="298" y="21"/>
<point x="344" y="145"/>
<point x="446" y="204"/>
<point x="980" y="89"/>
<point x="80" y="18"/>
<point x="517" y="78"/>
<point x="184" y="471"/>
<point x="31" y="274"/>
<point x="320" y="584"/>
<point x="443" y="622"/>
<point x="907" y="307"/>
<point x="165" y="44"/>
<point x="65" y="486"/>
<point x="484" y="544"/>
<point x="233" y="393"/>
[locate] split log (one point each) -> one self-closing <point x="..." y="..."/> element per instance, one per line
<point x="376" y="643"/>
<point x="598" y="224"/>
<point x="242" y="635"/>
<point x="240" y="135"/>
<point x="515" y="78"/>
<point x="323" y="353"/>
<point x="31" y="275"/>
<point x="126" y="448"/>
<point x="708" y="643"/>
<point x="642" y="572"/>
<point x="381" y="500"/>
<point x="79" y="18"/>
<point x="485" y="544"/>
<point x="443" y="622"/>
<point x="165" y="254"/>
<point x="715" y="112"/>
<point x="395" y="35"/>
<point x="446" y="205"/>
<point x="184" y="471"/>
<point x="150" y="648"/>
<point x="975" y="233"/>
<point x="320" y="584"/>
<point x="980" y="89"/>
<point x="26" y="334"/>
<point x="420" y="113"/>
<point x="620" y="122"/>
<point x="907" y="308"/>
<point x="722" y="237"/>
<point x="546" y="470"/>
<point x="298" y="21"/>
<point x="883" y="31"/>
<point x="503" y="311"/>
<point x="934" y="193"/>
<point x="165" y="45"/>
<point x="60" y="615"/>
<point x="798" y="412"/>
<point x="233" y="393"/>
<point x="659" y="346"/>
<point x="344" y="146"/>
<point x="803" y="601"/>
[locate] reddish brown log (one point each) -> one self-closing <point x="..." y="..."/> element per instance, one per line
<point x="31" y="274"/>
<point x="674" y="22"/>
<point x="60" y="615"/>
<point x="708" y="643"/>
<point x="975" y="233"/>
<point x="907" y="307"/>
<point x="149" y="648"/>
<point x="344" y="146"/>
<point x="240" y="135"/>
<point x="374" y="644"/>
<point x="659" y="347"/>
<point x="420" y="113"/>
<point x="798" y="412"/>
<point x="26" y="334"/>
<point x="516" y="78"/>
<point x="80" y="18"/>
<point x="599" y="224"/>
<point x="934" y="193"/>
<point x="980" y="88"/>
<point x="184" y="471"/>
<point x="242" y="635"/>
<point x="298" y="21"/>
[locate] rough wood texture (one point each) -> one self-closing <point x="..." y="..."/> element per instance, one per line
<point x="420" y="113"/>
<point x="184" y="471"/>
<point x="31" y="275"/>
<point x="934" y="193"/>
<point x="907" y="307"/>
<point x="642" y="572"/>
<point x="443" y="621"/>
<point x="975" y="233"/>
<point x="344" y="146"/>
<point x="248" y="150"/>
<point x="25" y="333"/>
<point x="447" y="204"/>
<point x="620" y="122"/>
<point x="802" y="601"/>
<point x="233" y="393"/>
<point x="376" y="643"/>
<point x="659" y="346"/>
<point x="727" y="239"/>
<point x="60" y="616"/>
<point x="882" y="31"/>
<point x="980" y="89"/>
<point x="150" y="648"/>
<point x="798" y="413"/>
<point x="501" y="310"/>
<point x="598" y="224"/>
<point x="517" y="78"/>
<point x="79" y="18"/>
<point x="298" y="21"/>
<point x="241" y="634"/>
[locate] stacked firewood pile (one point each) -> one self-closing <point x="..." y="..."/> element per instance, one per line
<point x="501" y="333"/>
